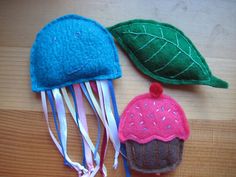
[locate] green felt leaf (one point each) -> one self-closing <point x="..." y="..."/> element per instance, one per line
<point x="164" y="53"/>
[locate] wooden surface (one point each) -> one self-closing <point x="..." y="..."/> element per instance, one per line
<point x="25" y="146"/>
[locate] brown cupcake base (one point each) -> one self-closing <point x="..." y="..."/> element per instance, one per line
<point x="154" y="157"/>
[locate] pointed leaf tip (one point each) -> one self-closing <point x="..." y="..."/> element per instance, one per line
<point x="218" y="83"/>
<point x="164" y="53"/>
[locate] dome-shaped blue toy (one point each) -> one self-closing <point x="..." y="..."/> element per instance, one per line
<point x="72" y="49"/>
<point x="76" y="55"/>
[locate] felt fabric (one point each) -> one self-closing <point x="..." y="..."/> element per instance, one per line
<point x="72" y="49"/>
<point x="154" y="157"/>
<point x="153" y="116"/>
<point x="69" y="52"/>
<point x="164" y="53"/>
<point x="153" y="127"/>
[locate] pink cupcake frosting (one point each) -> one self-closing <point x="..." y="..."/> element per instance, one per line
<point x="153" y="116"/>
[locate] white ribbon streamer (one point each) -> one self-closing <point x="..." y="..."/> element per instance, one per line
<point x="79" y="168"/>
<point x="108" y="122"/>
<point x="83" y="132"/>
<point x="82" y="117"/>
<point x="111" y="119"/>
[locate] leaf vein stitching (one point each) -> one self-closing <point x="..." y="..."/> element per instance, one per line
<point x="162" y="35"/>
<point x="190" y="51"/>
<point x="177" y="40"/>
<point x="173" y="58"/>
<point x="173" y="77"/>
<point x="156" y="52"/>
<point x="144" y="45"/>
<point x="144" y="28"/>
<point x="186" y="69"/>
<point x="154" y="36"/>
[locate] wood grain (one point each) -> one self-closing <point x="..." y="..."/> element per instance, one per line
<point x="25" y="146"/>
<point x="27" y="150"/>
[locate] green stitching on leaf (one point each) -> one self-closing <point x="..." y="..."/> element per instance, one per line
<point x="156" y="52"/>
<point x="161" y="68"/>
<point x="164" y="53"/>
<point x="157" y="37"/>
<point x="182" y="71"/>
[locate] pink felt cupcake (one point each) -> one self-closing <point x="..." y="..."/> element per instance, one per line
<point x="153" y="127"/>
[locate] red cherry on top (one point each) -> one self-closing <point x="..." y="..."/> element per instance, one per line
<point x="156" y="89"/>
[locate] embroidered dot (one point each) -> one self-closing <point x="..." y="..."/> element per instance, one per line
<point x="141" y="123"/>
<point x="163" y="118"/>
<point x="131" y="124"/>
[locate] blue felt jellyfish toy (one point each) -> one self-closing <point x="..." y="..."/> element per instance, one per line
<point x="75" y="57"/>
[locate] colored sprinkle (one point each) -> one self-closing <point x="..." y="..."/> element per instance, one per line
<point x="164" y="118"/>
<point x="169" y="110"/>
<point x="154" y="123"/>
<point x="151" y="115"/>
<point x="162" y="108"/>
<point x="140" y="114"/>
<point x="168" y="126"/>
<point x="131" y="124"/>
<point x="141" y="123"/>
